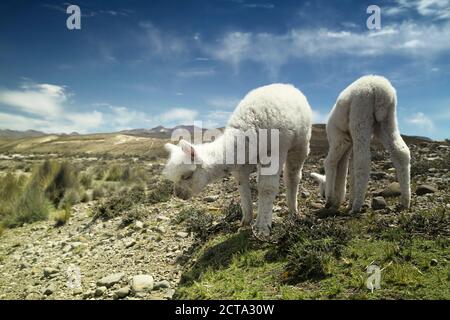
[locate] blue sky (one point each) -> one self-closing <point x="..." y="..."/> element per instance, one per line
<point x="138" y="64"/>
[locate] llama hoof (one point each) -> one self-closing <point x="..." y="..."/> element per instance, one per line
<point x="400" y="207"/>
<point x="295" y="215"/>
<point x="405" y="204"/>
<point x="326" y="213"/>
<point x="355" y="211"/>
<point x="261" y="231"/>
<point x="244" y="228"/>
<point x="246" y="222"/>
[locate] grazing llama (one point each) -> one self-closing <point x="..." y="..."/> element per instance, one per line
<point x="277" y="106"/>
<point x="366" y="107"/>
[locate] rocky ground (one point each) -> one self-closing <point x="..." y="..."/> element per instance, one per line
<point x="41" y="261"/>
<point x="105" y="260"/>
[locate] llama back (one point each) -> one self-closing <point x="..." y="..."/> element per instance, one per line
<point x="372" y="94"/>
<point x="276" y="106"/>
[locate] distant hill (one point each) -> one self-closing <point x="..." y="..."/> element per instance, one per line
<point x="147" y="142"/>
<point x="159" y="131"/>
<point x="14" y="134"/>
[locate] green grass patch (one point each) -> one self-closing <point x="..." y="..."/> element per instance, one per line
<point x="326" y="259"/>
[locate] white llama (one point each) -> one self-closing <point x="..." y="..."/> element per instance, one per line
<point x="366" y="107"/>
<point x="278" y="106"/>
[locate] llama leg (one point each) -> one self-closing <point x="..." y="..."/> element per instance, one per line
<point x="361" y="163"/>
<point x="242" y="178"/>
<point x="339" y="145"/>
<point x="268" y="187"/>
<point x="292" y="177"/>
<point x="341" y="178"/>
<point x="351" y="182"/>
<point x="399" y="151"/>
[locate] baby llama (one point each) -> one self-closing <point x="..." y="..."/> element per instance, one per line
<point x="278" y="108"/>
<point x="366" y="107"/>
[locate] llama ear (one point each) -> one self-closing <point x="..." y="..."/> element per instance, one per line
<point x="319" y="178"/>
<point x="170" y="147"/>
<point x="188" y="149"/>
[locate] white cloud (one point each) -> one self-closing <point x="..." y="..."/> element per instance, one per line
<point x="422" y="121"/>
<point x="18" y="122"/>
<point x="47" y="108"/>
<point x="178" y="116"/>
<point x="319" y="117"/>
<point x="216" y="119"/>
<point x="196" y="72"/>
<point x="44" y="107"/>
<point x="259" y="5"/>
<point x="123" y="118"/>
<point x="223" y="102"/>
<point x="436" y="9"/>
<point x="232" y="48"/>
<point x="38" y="99"/>
<point x="275" y="50"/>
<point x="162" y="44"/>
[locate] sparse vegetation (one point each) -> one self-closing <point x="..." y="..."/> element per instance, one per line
<point x="161" y="192"/>
<point x="119" y="203"/>
<point x="98" y="192"/>
<point x="62" y="216"/>
<point x="31" y="206"/>
<point x="86" y="180"/>
<point x="64" y="179"/>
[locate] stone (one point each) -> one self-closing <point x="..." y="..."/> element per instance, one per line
<point x="169" y="294"/>
<point x="378" y="175"/>
<point x="49" y="290"/>
<point x="160" y="230"/>
<point x="32" y="296"/>
<point x="129" y="242"/>
<point x="392" y="190"/>
<point x="88" y="294"/>
<point x="50" y="272"/>
<point x="378" y="203"/>
<point x="182" y="234"/>
<point x="305" y="194"/>
<point x="211" y="198"/>
<point x="100" y="291"/>
<point x="142" y="283"/>
<point x="424" y="189"/>
<point x="110" y="280"/>
<point x="138" y="225"/>
<point x="122" y="292"/>
<point x="164" y="284"/>
<point x="162" y="218"/>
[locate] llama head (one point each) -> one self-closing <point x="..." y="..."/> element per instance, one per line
<point x="185" y="169"/>
<point x="320" y="179"/>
